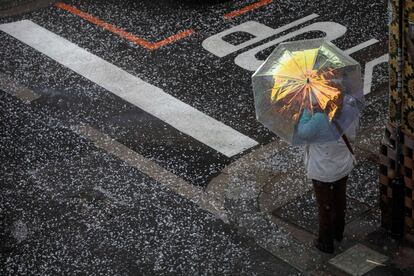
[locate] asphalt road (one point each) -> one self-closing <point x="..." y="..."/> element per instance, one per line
<point x="202" y="70"/>
<point x="68" y="208"/>
<point x="170" y="80"/>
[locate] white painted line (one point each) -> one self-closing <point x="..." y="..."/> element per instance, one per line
<point x="248" y="60"/>
<point x="161" y="175"/>
<point x="148" y="97"/>
<point x="217" y="46"/>
<point x="361" y="46"/>
<point x="369" y="68"/>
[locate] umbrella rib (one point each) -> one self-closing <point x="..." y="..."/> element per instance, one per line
<point x="328" y="86"/>
<point x="327" y="59"/>
<point x="314" y="57"/>
<point x="280" y="92"/>
<point x="298" y="90"/>
<point x="297" y="65"/>
<point x="323" y="63"/>
<point x="306" y="62"/>
<point x="332" y="70"/>
<point x="304" y="59"/>
<point x="277" y="62"/>
<point x="287" y="77"/>
<point x="324" y="86"/>
<point x="328" y="71"/>
<point x="302" y="104"/>
<point x="317" y="89"/>
<point x="293" y="87"/>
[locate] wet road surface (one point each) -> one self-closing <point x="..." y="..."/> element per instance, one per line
<point x="64" y="214"/>
<point x="193" y="75"/>
<point x="194" y="57"/>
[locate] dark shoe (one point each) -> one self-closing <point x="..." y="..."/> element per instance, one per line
<point x="322" y="247"/>
<point x="339" y="237"/>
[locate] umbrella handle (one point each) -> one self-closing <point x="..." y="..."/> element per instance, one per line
<point x="348" y="144"/>
<point x="344" y="137"/>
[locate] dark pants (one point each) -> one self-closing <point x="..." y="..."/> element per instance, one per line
<point x="331" y="200"/>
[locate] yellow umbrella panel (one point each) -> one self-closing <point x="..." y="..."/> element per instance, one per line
<point x="298" y="84"/>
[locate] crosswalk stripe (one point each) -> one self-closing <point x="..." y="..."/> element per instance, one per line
<point x="148" y="97"/>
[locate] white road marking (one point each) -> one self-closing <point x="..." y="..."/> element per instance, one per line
<point x="148" y="97"/>
<point x="369" y="68"/>
<point x="249" y="61"/>
<point x="361" y="46"/>
<point x="217" y="46"/>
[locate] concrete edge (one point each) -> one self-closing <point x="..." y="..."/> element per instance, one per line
<point x="163" y="176"/>
<point x="10" y="86"/>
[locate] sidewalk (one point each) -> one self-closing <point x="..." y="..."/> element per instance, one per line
<point x="266" y="194"/>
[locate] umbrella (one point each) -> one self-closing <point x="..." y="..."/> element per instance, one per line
<point x="308" y="80"/>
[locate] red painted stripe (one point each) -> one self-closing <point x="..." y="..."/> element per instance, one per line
<point x="247" y="9"/>
<point x="121" y="32"/>
<point x="172" y="38"/>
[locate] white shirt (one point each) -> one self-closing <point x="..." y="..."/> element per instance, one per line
<point x="329" y="162"/>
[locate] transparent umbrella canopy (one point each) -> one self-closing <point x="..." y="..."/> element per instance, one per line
<point x="308" y="79"/>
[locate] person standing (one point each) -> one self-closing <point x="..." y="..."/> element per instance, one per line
<point x="328" y="166"/>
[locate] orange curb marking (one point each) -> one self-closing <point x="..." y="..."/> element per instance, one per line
<point x="122" y="33"/>
<point x="247" y="9"/>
